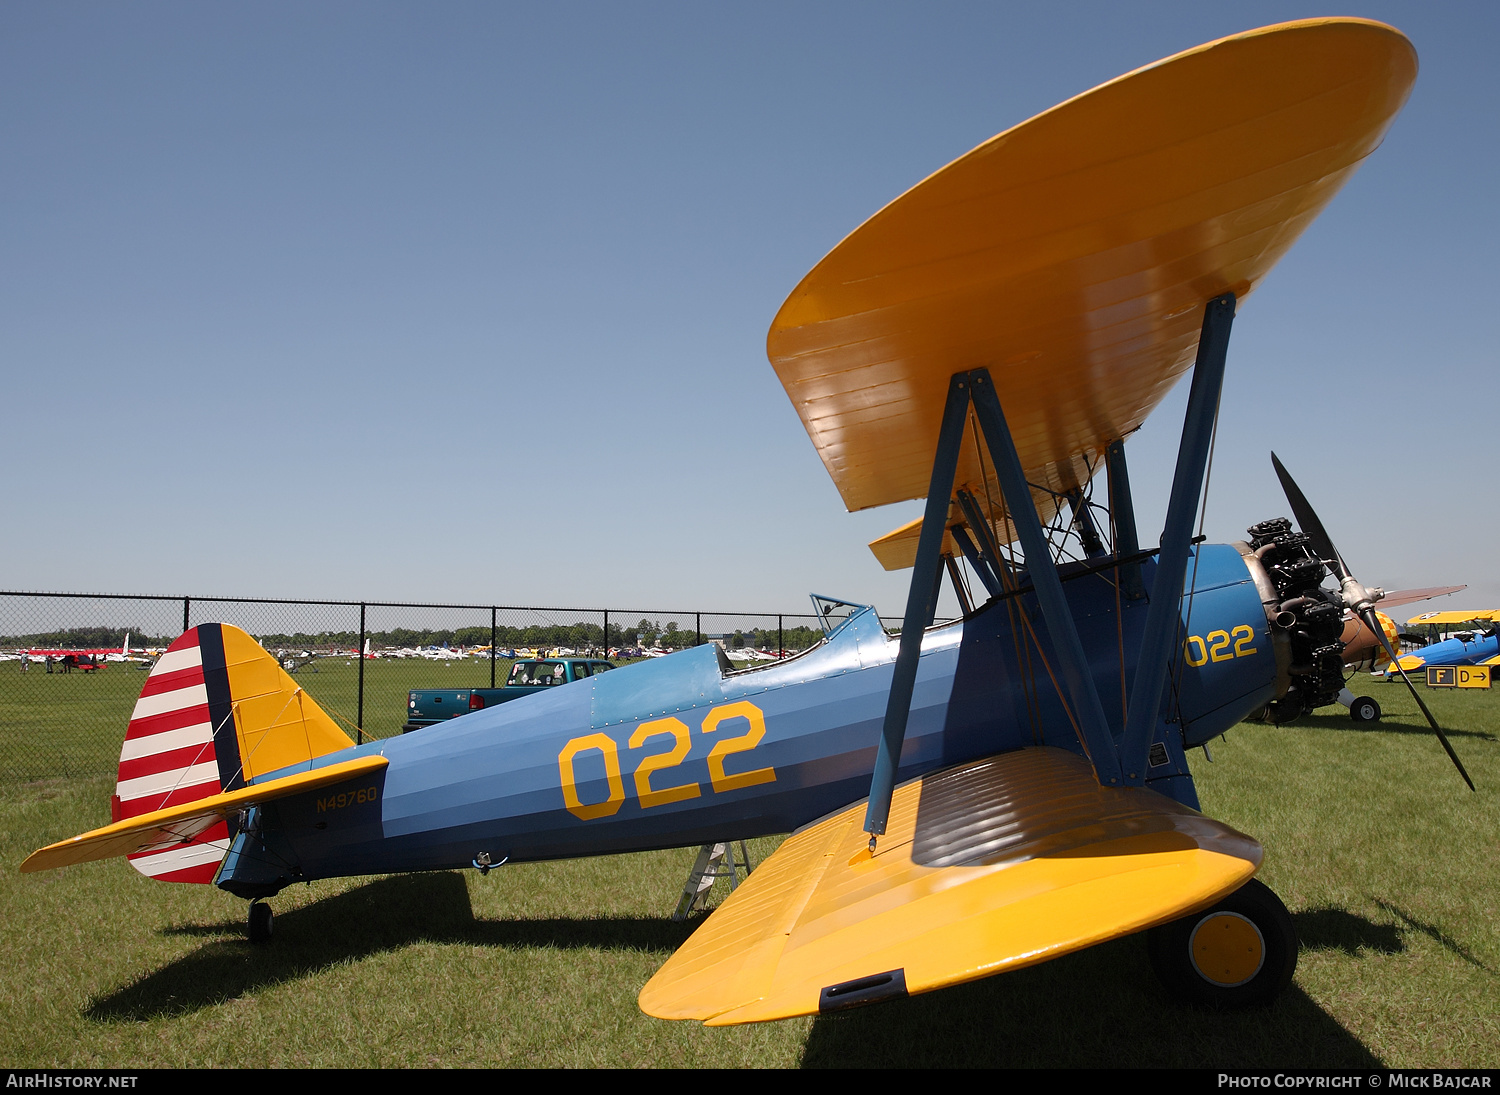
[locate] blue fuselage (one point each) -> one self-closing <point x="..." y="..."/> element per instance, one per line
<point x="676" y="751"/>
<point x="1477" y="648"/>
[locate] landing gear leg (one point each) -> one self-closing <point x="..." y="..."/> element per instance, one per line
<point x="1361" y="708"/>
<point x="260" y="922"/>
<point x="1239" y="954"/>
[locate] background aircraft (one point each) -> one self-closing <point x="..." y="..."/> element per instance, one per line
<point x="113" y="653"/>
<point x="1365" y="652"/>
<point x="92" y="657"/>
<point x="1477" y="644"/>
<point x="966" y="798"/>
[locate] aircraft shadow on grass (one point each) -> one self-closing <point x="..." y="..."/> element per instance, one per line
<point x="384" y="915"/>
<point x="1099" y="1007"/>
<point x="1433" y="932"/>
<point x="1390" y="723"/>
<point x="1350" y="933"/>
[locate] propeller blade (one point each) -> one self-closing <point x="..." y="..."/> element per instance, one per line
<point x="1374" y="625"/>
<point x="1308" y="522"/>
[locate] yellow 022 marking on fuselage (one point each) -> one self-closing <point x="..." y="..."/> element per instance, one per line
<point x="664" y="760"/>
<point x="606" y="745"/>
<point x="1219" y="646"/>
<point x="678" y="731"/>
<point x="742" y="744"/>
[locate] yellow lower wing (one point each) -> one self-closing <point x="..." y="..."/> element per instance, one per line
<point x="163" y="829"/>
<point x="985" y="867"/>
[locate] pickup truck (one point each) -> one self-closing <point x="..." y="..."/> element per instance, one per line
<point x="427" y="706"/>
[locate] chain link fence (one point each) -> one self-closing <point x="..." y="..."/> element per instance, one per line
<point x="72" y="665"/>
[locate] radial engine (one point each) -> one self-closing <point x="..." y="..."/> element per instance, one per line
<point x="1306" y="620"/>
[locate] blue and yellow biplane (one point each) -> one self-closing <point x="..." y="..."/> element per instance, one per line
<point x="963" y="799"/>
<point x="1478" y="643"/>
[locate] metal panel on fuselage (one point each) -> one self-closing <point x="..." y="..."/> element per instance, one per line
<point x="673" y="752"/>
<point x="493" y="781"/>
<point x="1225" y="667"/>
<point x="991" y="712"/>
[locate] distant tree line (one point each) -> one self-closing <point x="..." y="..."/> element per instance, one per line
<point x="87" y="638"/>
<point x="645" y="633"/>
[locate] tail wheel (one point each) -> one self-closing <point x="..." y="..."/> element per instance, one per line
<point x="260" y="922"/>
<point x="1364" y="709"/>
<point x="1240" y="953"/>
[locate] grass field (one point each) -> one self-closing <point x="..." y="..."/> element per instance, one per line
<point x="1386" y="860"/>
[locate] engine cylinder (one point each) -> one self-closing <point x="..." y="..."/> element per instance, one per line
<point x="1306" y="620"/>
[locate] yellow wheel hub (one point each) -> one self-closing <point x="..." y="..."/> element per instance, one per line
<point x="1227" y="949"/>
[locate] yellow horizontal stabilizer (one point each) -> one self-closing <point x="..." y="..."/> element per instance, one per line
<point x="1074" y="253"/>
<point x="897" y="549"/>
<point x="988" y="866"/>
<point x="164" y="829"/>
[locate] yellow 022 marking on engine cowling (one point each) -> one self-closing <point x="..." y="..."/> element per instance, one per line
<point x="1219" y="646"/>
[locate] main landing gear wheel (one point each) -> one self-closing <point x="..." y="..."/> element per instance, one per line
<point x="1239" y="954"/>
<point x="260" y="922"/>
<point x="1364" y="709"/>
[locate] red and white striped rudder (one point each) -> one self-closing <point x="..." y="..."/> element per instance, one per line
<point x="181" y="746"/>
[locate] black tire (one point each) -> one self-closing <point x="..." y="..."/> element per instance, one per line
<point x="261" y="922"/>
<point x="1247" y="944"/>
<point x="1364" y="709"/>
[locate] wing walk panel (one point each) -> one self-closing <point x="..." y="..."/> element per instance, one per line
<point x="988" y="866"/>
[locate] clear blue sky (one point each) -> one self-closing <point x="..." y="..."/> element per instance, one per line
<point x="468" y="302"/>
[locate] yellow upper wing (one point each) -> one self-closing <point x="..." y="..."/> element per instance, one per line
<point x="1073" y="254"/>
<point x="1454" y="616"/>
<point x="988" y="866"/>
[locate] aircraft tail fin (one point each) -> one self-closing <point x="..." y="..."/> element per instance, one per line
<point x="216" y="712"/>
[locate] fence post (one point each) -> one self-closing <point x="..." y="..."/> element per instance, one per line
<point x="697" y="629"/>
<point x="780" y="639"/>
<point x="185" y="602"/>
<point x="359" y="719"/>
<point x="493" y="610"/>
<point x="606" y="634"/>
